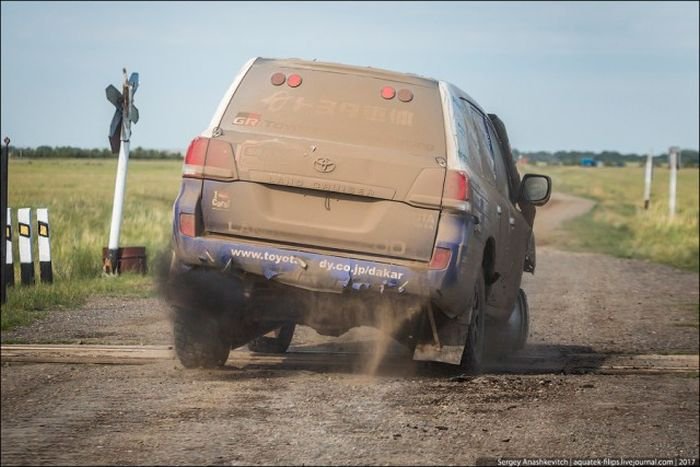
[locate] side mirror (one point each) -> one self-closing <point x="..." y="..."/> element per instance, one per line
<point x="535" y="189"/>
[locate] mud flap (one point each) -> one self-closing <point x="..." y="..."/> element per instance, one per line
<point x="442" y="339"/>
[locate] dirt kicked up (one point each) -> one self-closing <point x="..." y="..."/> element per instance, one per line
<point x="617" y="317"/>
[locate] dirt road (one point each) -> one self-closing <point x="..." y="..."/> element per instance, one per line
<point x="328" y="410"/>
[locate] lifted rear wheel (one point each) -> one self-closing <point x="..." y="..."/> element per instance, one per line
<point x="199" y="339"/>
<point x="276" y="341"/>
<point x="473" y="354"/>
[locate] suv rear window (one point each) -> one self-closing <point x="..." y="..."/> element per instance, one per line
<point x="339" y="107"/>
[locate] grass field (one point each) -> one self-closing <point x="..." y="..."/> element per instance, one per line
<point x="619" y="225"/>
<point x="79" y="195"/>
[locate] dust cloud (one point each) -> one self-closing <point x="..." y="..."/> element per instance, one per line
<point x="389" y="321"/>
<point x="212" y="293"/>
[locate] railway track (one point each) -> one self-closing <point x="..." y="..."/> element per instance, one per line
<point x="523" y="363"/>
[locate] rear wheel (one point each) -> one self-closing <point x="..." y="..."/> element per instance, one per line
<point x="199" y="339"/>
<point x="520" y="321"/>
<point x="276" y="341"/>
<point x="509" y="336"/>
<point x="473" y="354"/>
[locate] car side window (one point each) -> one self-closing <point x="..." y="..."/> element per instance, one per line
<point x="478" y="143"/>
<point x="469" y="147"/>
<point x="497" y="154"/>
<point x="463" y="150"/>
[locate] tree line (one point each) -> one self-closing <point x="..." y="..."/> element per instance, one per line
<point x="689" y="157"/>
<point x="69" y="152"/>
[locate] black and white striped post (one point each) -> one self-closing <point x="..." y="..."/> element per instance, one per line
<point x="45" y="268"/>
<point x="24" y="218"/>
<point x="9" y="263"/>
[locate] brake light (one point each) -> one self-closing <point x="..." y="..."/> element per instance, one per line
<point x="187" y="224"/>
<point x="441" y="258"/>
<point x="209" y="158"/>
<point x="294" y="81"/>
<point x="405" y="95"/>
<point x="194" y="159"/>
<point x="278" y="79"/>
<point x="456" y="186"/>
<point x="388" y="92"/>
<point x="219" y="162"/>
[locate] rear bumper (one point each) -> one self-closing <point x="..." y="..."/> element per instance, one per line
<point x="302" y="269"/>
<point x="258" y="264"/>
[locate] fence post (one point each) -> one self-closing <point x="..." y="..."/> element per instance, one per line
<point x="673" y="162"/>
<point x="648" y="174"/>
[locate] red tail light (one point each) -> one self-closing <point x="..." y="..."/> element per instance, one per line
<point x="388" y="92"/>
<point x="294" y="81"/>
<point x="187" y="224"/>
<point x="194" y="159"/>
<point x="441" y="258"/>
<point x="456" y="185"/>
<point x="278" y="79"/>
<point x="219" y="162"/>
<point x="210" y="158"/>
<point x="405" y="95"/>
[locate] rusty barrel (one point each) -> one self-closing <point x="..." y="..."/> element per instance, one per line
<point x="130" y="259"/>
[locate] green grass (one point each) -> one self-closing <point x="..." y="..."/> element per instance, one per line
<point x="619" y="225"/>
<point x="78" y="194"/>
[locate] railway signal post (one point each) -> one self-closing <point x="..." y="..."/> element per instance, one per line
<point x="119" y="135"/>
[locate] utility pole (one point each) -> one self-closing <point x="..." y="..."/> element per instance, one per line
<point x="673" y="161"/>
<point x="119" y="136"/>
<point x="4" y="167"/>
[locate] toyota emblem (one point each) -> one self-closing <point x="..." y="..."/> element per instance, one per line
<point x="324" y="165"/>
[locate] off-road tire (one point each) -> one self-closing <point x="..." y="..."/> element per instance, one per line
<point x="522" y="307"/>
<point x="279" y="344"/>
<point x="199" y="339"/>
<point x="473" y="354"/>
<point x="506" y="337"/>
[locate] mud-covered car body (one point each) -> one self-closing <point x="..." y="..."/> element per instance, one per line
<point x="318" y="183"/>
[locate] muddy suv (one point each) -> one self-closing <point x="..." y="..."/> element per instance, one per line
<point x="338" y="196"/>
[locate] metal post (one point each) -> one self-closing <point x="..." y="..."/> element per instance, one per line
<point x="117" y="206"/>
<point x="648" y="174"/>
<point x="111" y="265"/>
<point x="673" y="161"/>
<point x="4" y="167"/>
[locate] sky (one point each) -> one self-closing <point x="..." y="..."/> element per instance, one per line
<point x="593" y="76"/>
